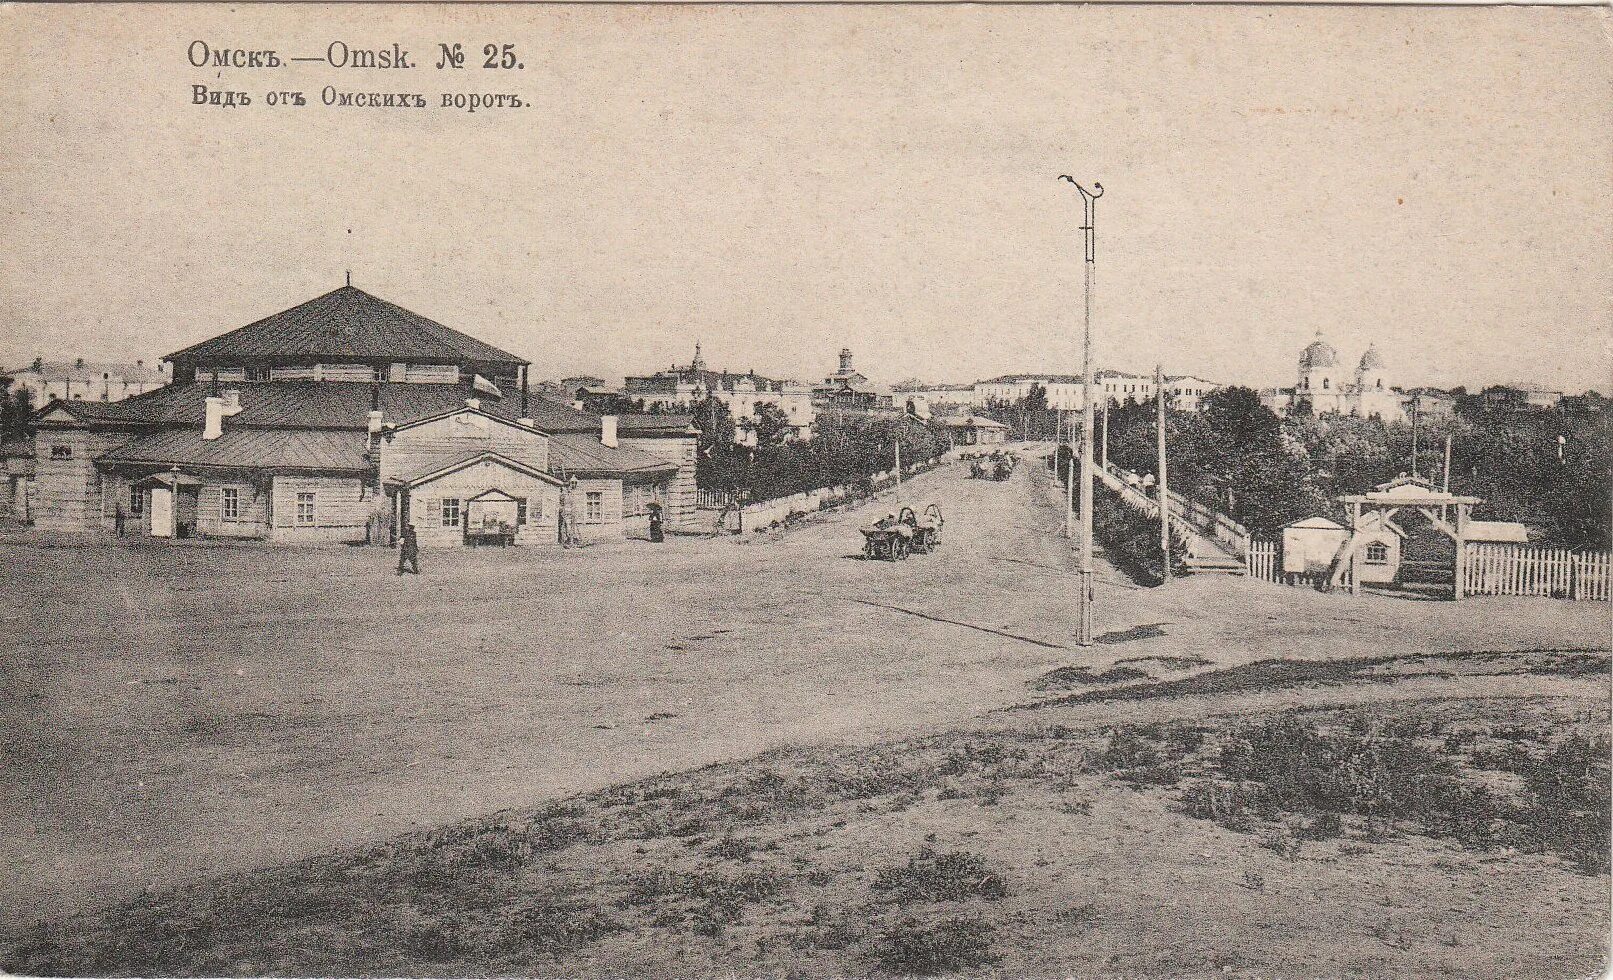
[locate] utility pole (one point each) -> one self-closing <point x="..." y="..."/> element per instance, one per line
<point x="1089" y="207"/>
<point x="1414" y="436"/>
<point x="1164" y="493"/>
<point x="898" y="465"/>
<point x="1447" y="487"/>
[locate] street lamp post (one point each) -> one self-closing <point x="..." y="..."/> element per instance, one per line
<point x="1089" y="202"/>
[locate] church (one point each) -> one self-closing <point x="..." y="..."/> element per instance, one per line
<point x="343" y="419"/>
<point x="1324" y="387"/>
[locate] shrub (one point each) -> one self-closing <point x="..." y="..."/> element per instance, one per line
<point x="923" y="949"/>
<point x="932" y="877"/>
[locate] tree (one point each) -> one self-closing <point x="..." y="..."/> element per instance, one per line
<point x="771" y="424"/>
<point x="16" y="409"/>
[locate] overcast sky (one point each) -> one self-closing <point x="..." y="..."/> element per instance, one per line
<point x="781" y="182"/>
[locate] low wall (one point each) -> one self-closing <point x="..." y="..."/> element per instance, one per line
<point x="779" y="510"/>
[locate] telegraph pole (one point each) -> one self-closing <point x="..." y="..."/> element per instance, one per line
<point x="1164" y="494"/>
<point x="1089" y="207"/>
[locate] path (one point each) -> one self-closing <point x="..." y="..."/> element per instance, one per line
<point x="184" y="711"/>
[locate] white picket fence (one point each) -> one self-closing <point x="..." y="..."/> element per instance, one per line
<point x="1503" y="569"/>
<point x="1491" y="569"/>
<point x="1263" y="560"/>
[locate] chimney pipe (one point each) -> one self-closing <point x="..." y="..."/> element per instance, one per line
<point x="232" y="400"/>
<point x="607" y="430"/>
<point x="375" y="422"/>
<point x="475" y="403"/>
<point x="214" y="426"/>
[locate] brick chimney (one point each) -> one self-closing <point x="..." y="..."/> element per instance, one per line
<point x="607" y="430"/>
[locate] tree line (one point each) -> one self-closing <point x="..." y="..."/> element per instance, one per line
<point x="846" y="449"/>
<point x="1265" y="471"/>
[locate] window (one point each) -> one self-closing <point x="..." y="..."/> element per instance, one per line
<point x="1377" y="553"/>
<point x="520" y="511"/>
<point x="1327" y="383"/>
<point x="450" y="512"/>
<point x="305" y="509"/>
<point x="230" y="506"/>
<point x="137" y="501"/>
<point x="595" y="511"/>
<point x="61" y="452"/>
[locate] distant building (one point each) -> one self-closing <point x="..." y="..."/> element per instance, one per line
<point x="1429" y="403"/>
<point x="1521" y="397"/>
<point x="86" y="381"/>
<point x="1065" y="392"/>
<point x="1186" y="393"/>
<point x="848" y="388"/>
<point x="973" y="430"/>
<point x="682" y="387"/>
<point x="1323" y="387"/>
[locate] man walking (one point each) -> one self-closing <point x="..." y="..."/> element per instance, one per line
<point x="409" y="551"/>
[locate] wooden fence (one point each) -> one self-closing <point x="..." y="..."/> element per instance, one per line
<point x="1491" y="569"/>
<point x="1264" y="560"/>
<point x="716" y="499"/>
<point x="1502" y="569"/>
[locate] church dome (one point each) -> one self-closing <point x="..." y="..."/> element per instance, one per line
<point x="1371" y="360"/>
<point x="1320" y="354"/>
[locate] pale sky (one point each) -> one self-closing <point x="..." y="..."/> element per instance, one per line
<point x="780" y="182"/>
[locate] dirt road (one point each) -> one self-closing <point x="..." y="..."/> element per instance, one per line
<point x="170" y="712"/>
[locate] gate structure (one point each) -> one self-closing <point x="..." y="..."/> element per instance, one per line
<point x="1447" y="512"/>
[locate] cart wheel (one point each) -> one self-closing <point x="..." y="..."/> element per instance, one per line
<point x="901" y="550"/>
<point x="869" y="552"/>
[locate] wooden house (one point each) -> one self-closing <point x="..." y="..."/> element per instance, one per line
<point x="340" y="420"/>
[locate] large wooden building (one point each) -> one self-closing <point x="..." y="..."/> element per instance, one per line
<point x="342" y="419"/>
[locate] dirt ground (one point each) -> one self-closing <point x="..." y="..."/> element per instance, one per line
<point x="171" y="713"/>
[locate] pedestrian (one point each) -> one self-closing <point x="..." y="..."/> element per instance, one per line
<point x="409" y="551"/>
<point x="568" y="515"/>
<point x="656" y="534"/>
<point x="118" y="519"/>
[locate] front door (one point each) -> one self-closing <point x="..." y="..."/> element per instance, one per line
<point x="161" y="512"/>
<point x="186" y="504"/>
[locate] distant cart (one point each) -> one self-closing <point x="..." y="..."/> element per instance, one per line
<point x="926" y="527"/>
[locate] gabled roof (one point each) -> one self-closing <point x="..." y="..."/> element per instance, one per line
<point x="462" y="409"/>
<point x="271" y="449"/>
<point x="581" y="455"/>
<point x="1501" y="532"/>
<point x="347" y="323"/>
<point x="437" y="467"/>
<point x="1316" y="523"/>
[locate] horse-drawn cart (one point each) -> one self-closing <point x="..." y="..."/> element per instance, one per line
<point x="887" y="539"/>
<point x="895" y="536"/>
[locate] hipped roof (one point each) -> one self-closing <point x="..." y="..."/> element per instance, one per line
<point x="347" y="323"/>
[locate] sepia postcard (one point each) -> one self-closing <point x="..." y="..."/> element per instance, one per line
<point x="728" y="490"/>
